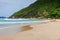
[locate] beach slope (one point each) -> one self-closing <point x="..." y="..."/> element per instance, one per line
<point x="40" y="31"/>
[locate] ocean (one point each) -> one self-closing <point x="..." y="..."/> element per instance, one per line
<point x="19" y="20"/>
<point x="12" y="26"/>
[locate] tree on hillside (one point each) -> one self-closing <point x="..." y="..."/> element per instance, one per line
<point x="40" y="8"/>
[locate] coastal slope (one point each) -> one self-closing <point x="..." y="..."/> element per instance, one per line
<point x="40" y="8"/>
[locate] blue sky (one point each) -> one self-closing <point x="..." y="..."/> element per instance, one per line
<point x="8" y="7"/>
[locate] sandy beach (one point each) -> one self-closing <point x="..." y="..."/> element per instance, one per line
<point x="40" y="31"/>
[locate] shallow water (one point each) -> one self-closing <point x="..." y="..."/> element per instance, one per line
<point x="12" y="26"/>
<point x="19" y="20"/>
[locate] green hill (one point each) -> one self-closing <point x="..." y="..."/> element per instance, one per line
<point x="40" y="8"/>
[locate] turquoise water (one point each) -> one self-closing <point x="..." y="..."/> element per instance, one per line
<point x="19" y="20"/>
<point x="15" y="25"/>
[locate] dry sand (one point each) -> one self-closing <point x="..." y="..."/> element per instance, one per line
<point x="43" y="31"/>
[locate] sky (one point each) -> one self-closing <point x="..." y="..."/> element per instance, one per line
<point x="8" y="7"/>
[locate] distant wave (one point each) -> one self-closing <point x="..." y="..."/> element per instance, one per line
<point x="11" y="21"/>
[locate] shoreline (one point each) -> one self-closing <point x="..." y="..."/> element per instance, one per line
<point x="7" y="28"/>
<point x="40" y="31"/>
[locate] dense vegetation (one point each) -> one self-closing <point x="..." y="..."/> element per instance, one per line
<point x="40" y="8"/>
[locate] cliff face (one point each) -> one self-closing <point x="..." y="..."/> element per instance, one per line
<point x="40" y="8"/>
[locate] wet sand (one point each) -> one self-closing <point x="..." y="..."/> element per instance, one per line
<point x="40" y="31"/>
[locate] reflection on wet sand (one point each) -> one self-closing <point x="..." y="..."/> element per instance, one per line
<point x="26" y="28"/>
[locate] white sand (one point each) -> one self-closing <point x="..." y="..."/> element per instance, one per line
<point x="44" y="31"/>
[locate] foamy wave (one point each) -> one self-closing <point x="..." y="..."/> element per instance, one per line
<point x="25" y="22"/>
